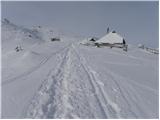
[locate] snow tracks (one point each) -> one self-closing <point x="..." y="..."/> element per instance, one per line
<point x="72" y="91"/>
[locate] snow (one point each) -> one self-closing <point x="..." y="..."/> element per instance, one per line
<point x="88" y="42"/>
<point x="111" y="38"/>
<point x="65" y="79"/>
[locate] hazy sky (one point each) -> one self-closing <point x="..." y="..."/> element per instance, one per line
<point x="136" y="21"/>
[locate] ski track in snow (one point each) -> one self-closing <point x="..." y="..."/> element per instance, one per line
<point x="111" y="109"/>
<point x="62" y="96"/>
<point x="56" y="99"/>
<point x="25" y="74"/>
<point x="48" y="90"/>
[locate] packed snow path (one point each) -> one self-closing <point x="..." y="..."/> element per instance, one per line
<point x="72" y="87"/>
<point x="64" y="95"/>
<point x="73" y="90"/>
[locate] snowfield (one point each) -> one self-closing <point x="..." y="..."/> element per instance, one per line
<point x="65" y="79"/>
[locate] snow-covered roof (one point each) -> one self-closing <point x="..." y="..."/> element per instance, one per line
<point x="111" y="38"/>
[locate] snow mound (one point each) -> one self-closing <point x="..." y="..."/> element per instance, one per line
<point x="89" y="41"/>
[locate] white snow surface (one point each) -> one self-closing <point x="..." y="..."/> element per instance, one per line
<point x="111" y="38"/>
<point x="68" y="80"/>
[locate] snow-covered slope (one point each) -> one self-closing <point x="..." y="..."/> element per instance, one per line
<point x="88" y="41"/>
<point x="47" y="33"/>
<point x="13" y="35"/>
<point x="68" y="80"/>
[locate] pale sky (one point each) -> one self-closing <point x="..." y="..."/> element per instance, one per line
<point x="136" y="21"/>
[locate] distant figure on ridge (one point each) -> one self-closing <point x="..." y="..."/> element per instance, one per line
<point x="18" y="48"/>
<point x="107" y="30"/>
<point x="124" y="42"/>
